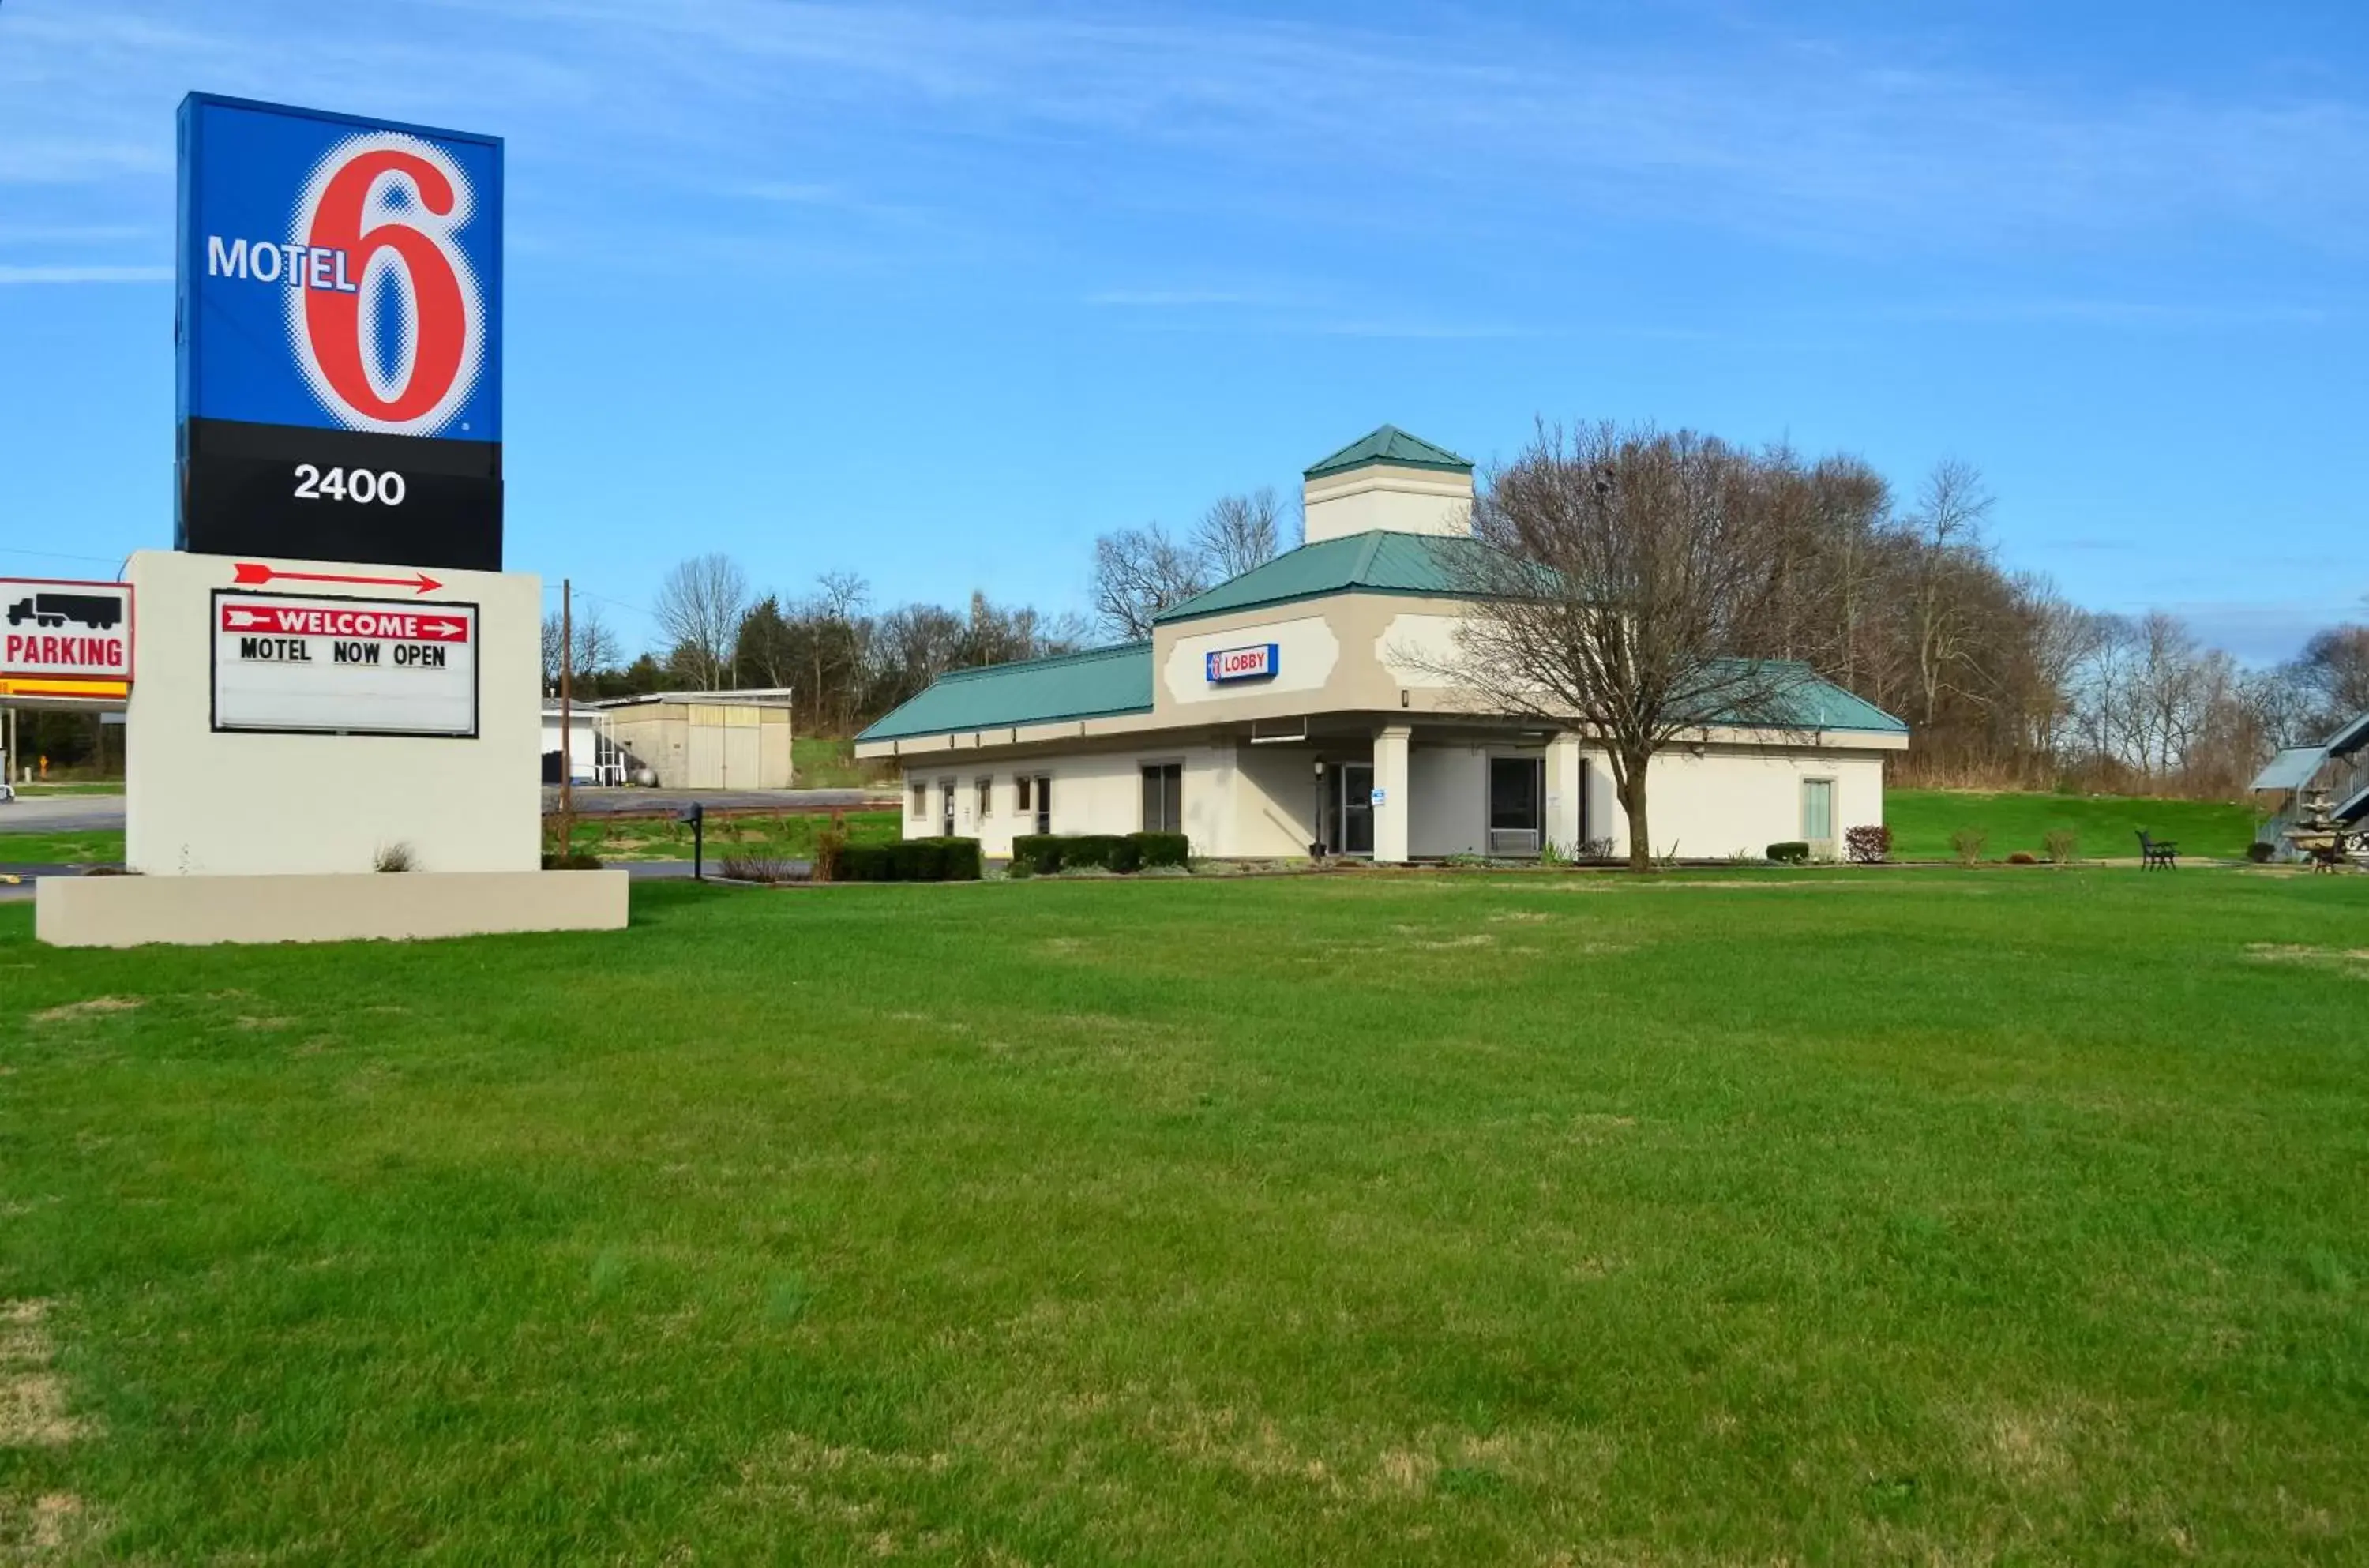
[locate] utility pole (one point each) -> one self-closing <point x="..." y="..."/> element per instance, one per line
<point x="566" y="718"/>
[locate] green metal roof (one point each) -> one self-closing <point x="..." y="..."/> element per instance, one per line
<point x="1375" y="562"/>
<point x="1812" y="701"/>
<point x="1390" y="444"/>
<point x="1094" y="684"/>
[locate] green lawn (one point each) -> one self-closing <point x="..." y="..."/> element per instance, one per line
<point x="1923" y="819"/>
<point x="102" y="786"/>
<point x="818" y="764"/>
<point x="1814" y="1217"/>
<point x="53" y="849"/>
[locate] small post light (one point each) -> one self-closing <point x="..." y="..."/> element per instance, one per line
<point x="697" y="817"/>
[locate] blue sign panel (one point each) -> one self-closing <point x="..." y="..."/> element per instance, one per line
<point x="339" y="274"/>
<point x="1258" y="662"/>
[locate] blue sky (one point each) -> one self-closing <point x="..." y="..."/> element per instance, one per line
<point x="937" y="293"/>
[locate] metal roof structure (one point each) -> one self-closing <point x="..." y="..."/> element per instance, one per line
<point x="1379" y="561"/>
<point x="1098" y="683"/>
<point x="1392" y="445"/>
<point x="2299" y="767"/>
<point x="2290" y="768"/>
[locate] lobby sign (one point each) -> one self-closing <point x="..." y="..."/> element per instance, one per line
<point x="72" y="631"/>
<point x="339" y="337"/>
<point x="294" y="665"/>
<point x="1258" y="662"/>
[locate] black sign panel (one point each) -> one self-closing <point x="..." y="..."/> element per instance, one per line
<point x="288" y="491"/>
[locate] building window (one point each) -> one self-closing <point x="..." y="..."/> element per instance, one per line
<point x="946" y="807"/>
<point x="1020" y="793"/>
<point x="1044" y="802"/>
<point x="985" y="788"/>
<point x="1818" y="810"/>
<point x="1163" y="798"/>
<point x="920" y="800"/>
<point x="1516" y="803"/>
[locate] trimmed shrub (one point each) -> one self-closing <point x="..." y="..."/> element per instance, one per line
<point x="747" y="866"/>
<point x="1037" y="854"/>
<point x="1163" y="849"/>
<point x="1104" y="851"/>
<point x="2260" y="853"/>
<point x="580" y="861"/>
<point x="1792" y="852"/>
<point x="2023" y="857"/>
<point x="1968" y="843"/>
<point x="1871" y="845"/>
<point x="1041" y="854"/>
<point x="911" y="860"/>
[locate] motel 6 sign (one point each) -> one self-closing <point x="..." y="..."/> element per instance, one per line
<point x="339" y="332"/>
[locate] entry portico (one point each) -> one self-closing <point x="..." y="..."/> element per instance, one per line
<point x="1302" y="706"/>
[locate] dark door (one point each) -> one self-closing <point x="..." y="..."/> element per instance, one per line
<point x="1355" y="834"/>
<point x="1516" y="805"/>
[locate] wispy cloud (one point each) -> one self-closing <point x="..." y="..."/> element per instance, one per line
<point x="71" y="274"/>
<point x="1178" y="299"/>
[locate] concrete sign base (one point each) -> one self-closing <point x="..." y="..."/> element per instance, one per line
<point x="189" y="912"/>
<point x="301" y="717"/>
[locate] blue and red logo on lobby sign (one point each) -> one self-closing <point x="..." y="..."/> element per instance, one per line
<point x="1258" y="662"/>
<point x="339" y="274"/>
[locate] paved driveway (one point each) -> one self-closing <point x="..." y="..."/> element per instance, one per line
<point x="62" y="814"/>
<point x="99" y="813"/>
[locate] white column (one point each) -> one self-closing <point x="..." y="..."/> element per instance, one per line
<point x="1391" y="794"/>
<point x="1563" y="803"/>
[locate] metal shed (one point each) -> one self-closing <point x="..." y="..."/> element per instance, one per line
<point x="705" y="739"/>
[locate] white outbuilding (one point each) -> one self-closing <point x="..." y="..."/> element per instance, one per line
<point x="1300" y="707"/>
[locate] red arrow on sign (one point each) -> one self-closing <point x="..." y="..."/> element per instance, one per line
<point x="256" y="572"/>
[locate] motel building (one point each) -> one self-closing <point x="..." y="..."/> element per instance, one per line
<point x="1301" y="707"/>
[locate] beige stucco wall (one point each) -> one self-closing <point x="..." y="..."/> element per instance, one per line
<point x="1447" y="792"/>
<point x="191" y="911"/>
<point x="203" y="803"/>
<point x="1381" y="495"/>
<point x="1345" y="635"/>
<point x="1307" y="656"/>
<point x="1093" y="792"/>
<point x="1259" y="801"/>
<point x="1380" y="657"/>
<point x="1727" y="802"/>
<point x="1275" y="802"/>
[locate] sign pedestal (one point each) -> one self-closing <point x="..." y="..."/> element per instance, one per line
<point x="283" y="745"/>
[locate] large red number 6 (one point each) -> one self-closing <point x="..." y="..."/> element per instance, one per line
<point x="438" y="317"/>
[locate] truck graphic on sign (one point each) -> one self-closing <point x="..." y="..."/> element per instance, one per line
<point x="99" y="612"/>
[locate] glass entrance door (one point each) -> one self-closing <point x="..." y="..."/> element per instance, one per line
<point x="1353" y="815"/>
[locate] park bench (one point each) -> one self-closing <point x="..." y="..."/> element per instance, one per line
<point x="2157" y="852"/>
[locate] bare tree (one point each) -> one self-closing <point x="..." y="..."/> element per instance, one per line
<point x="1624" y="575"/>
<point x="597" y="647"/>
<point x="2334" y="668"/>
<point x="1949" y="520"/>
<point x="700" y="608"/>
<point x="1239" y="533"/>
<point x="1138" y="572"/>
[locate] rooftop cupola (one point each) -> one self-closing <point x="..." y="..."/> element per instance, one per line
<point x="1389" y="480"/>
